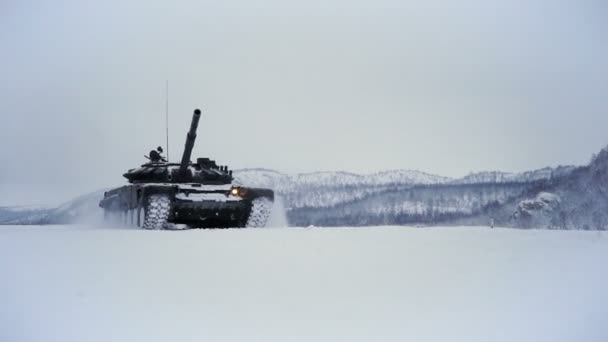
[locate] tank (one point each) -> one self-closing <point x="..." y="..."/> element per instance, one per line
<point x="201" y="194"/>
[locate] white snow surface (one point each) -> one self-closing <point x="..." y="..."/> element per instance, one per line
<point x="82" y="283"/>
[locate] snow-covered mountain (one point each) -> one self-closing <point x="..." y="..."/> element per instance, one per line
<point x="329" y="189"/>
<point x="404" y="177"/>
<point x="82" y="209"/>
<point x="565" y="197"/>
<point x="24" y="214"/>
<point x="510" y="177"/>
<point x="284" y="183"/>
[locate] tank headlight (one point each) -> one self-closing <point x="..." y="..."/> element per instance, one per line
<point x="234" y="192"/>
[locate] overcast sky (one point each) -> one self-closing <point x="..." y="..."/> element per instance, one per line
<point x="446" y="87"/>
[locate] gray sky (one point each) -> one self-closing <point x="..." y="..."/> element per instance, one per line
<point x="445" y="87"/>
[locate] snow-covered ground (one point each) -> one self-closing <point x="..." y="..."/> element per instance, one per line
<point x="78" y="283"/>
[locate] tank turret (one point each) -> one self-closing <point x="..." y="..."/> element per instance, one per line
<point x="204" y="171"/>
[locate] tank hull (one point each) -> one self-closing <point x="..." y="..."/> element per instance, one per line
<point x="191" y="205"/>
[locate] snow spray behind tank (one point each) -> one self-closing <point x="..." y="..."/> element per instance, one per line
<point x="198" y="195"/>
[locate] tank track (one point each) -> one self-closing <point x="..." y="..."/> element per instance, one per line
<point x="154" y="214"/>
<point x="260" y="212"/>
<point x="157" y="212"/>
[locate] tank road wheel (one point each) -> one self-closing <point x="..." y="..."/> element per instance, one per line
<point x="260" y="211"/>
<point x="156" y="212"/>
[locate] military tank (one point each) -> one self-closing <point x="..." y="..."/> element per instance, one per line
<point x="201" y="194"/>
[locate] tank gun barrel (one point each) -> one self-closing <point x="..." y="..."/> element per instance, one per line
<point x="190" y="138"/>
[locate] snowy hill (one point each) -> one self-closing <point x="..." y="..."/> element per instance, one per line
<point x="579" y="200"/>
<point x="329" y="189"/>
<point x="82" y="209"/>
<point x="24" y="214"/>
<point x="284" y="183"/>
<point x="479" y="198"/>
<point x="77" y="283"/>
<point x="422" y="204"/>
<point x="403" y="177"/>
<point x="509" y="177"/>
<point x="326" y="189"/>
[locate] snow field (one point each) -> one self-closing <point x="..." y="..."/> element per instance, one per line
<point x="80" y="283"/>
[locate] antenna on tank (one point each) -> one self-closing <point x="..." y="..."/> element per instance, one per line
<point x="167" y="117"/>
